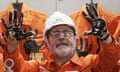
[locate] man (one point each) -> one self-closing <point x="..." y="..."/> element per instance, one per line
<point x="60" y="35"/>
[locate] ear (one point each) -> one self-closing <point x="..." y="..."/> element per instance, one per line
<point x="76" y="41"/>
<point x="47" y="42"/>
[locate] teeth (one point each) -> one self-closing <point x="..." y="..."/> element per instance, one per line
<point x="61" y="44"/>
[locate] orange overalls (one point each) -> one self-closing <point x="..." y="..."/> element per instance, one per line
<point x="105" y="61"/>
<point x="2" y="46"/>
<point x="32" y="18"/>
<point x="2" y="69"/>
<point x="116" y="35"/>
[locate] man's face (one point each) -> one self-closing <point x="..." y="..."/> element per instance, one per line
<point x="62" y="41"/>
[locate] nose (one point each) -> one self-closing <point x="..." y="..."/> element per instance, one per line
<point x="61" y="35"/>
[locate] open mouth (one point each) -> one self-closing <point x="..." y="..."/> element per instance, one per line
<point x="61" y="44"/>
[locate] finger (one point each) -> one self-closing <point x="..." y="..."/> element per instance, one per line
<point x="88" y="33"/>
<point x="36" y="32"/>
<point x="30" y="28"/>
<point x="10" y="17"/>
<point x="94" y="4"/>
<point x="86" y="44"/>
<point x="91" y="11"/>
<point x="96" y="32"/>
<point x="28" y="34"/>
<point x="4" y="37"/>
<point x="90" y="20"/>
<point x="81" y="43"/>
<point x="90" y="48"/>
<point x="25" y="30"/>
<point x="2" y="45"/>
<point x="4" y="23"/>
<point x="21" y="19"/>
<point x="98" y="49"/>
<point x="86" y="47"/>
<point x="87" y="17"/>
<point x="40" y="46"/>
<point x="15" y="17"/>
<point x="95" y="11"/>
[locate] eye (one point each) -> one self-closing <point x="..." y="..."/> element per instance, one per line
<point x="66" y="33"/>
<point x="54" y="33"/>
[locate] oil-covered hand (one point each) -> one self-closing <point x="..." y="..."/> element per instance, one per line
<point x="98" y="24"/>
<point x="31" y="44"/>
<point x="84" y="48"/>
<point x="14" y="26"/>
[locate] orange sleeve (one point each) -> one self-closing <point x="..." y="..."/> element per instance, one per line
<point x="2" y="46"/>
<point x="22" y="65"/>
<point x="116" y="34"/>
<point x="107" y="58"/>
<point x="115" y="26"/>
<point x="2" y="68"/>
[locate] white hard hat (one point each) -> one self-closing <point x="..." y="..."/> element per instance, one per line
<point x="58" y="18"/>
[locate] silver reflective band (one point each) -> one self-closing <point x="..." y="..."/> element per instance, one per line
<point x="9" y="67"/>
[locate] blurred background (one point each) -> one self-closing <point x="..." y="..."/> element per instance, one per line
<point x="66" y="6"/>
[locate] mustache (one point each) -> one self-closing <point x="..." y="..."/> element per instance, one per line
<point x="61" y="42"/>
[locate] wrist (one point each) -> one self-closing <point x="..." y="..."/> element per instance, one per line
<point x="12" y="45"/>
<point x="106" y="38"/>
<point x="10" y="50"/>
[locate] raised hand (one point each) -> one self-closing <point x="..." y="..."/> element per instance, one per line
<point x="14" y="28"/>
<point x="98" y="24"/>
<point x="84" y="48"/>
<point x="31" y="45"/>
